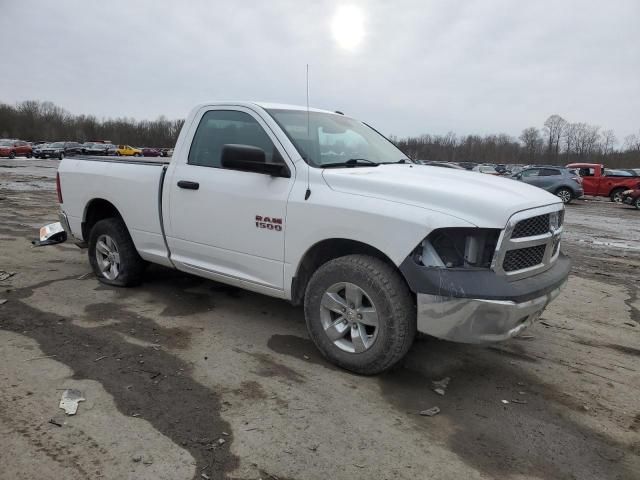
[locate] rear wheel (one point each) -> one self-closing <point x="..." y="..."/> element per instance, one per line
<point x="61" y="156"/>
<point x="637" y="203"/>
<point x="565" y="195"/>
<point x="112" y="254"/>
<point x="616" y="195"/>
<point x="29" y="155"/>
<point x="12" y="155"/>
<point x="360" y="313"/>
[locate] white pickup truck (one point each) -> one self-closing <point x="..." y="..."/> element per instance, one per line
<point x="320" y="209"/>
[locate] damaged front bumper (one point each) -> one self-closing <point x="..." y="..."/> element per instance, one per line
<point x="480" y="306"/>
<point x="475" y="320"/>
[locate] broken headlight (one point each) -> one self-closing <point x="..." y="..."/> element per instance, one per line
<point x="458" y="248"/>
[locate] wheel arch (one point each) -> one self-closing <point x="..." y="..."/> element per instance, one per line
<point x="97" y="209"/>
<point x="324" y="251"/>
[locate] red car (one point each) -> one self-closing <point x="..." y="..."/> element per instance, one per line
<point x="632" y="197"/>
<point x="15" y="148"/>
<point x="596" y="182"/>
<point x="150" y="152"/>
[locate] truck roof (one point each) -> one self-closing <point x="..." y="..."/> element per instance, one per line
<point x="265" y="105"/>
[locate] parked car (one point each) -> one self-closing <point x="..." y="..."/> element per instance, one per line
<point x="441" y="164"/>
<point x="151" y="152"/>
<point x="15" y="148"/>
<point x="467" y="165"/>
<point x="97" y="148"/>
<point x="111" y="149"/>
<point x="488" y="169"/>
<point x="559" y="181"/>
<point x="37" y="150"/>
<point x="596" y="182"/>
<point x="61" y="150"/>
<point x="632" y="197"/>
<point x="128" y="151"/>
<point x="375" y="248"/>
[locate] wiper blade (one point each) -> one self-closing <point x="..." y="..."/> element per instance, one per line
<point x="352" y="162"/>
<point x="402" y="160"/>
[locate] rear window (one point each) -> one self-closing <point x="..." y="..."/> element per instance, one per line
<point x="548" y="172"/>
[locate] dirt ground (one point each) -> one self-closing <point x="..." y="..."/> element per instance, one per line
<point x="188" y="379"/>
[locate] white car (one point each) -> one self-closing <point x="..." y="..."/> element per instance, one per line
<point x="319" y="209"/>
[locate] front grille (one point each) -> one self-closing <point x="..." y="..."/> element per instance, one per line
<point x="523" y="258"/>
<point x="531" y="227"/>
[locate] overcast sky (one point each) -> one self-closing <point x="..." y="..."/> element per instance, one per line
<point x="406" y="67"/>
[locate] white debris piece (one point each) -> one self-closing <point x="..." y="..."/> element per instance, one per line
<point x="430" y="412"/>
<point x="70" y="399"/>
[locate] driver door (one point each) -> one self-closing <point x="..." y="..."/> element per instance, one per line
<point x="229" y="224"/>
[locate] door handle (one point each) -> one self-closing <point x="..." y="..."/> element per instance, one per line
<point x="188" y="185"/>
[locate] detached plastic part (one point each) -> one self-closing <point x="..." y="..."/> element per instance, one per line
<point x="51" y="234"/>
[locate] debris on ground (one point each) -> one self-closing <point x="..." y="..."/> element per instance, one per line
<point x="70" y="399"/>
<point x="515" y="400"/>
<point x="6" y="275"/>
<point x="221" y="441"/>
<point x="3" y="301"/>
<point x="136" y="458"/>
<point x="205" y="476"/>
<point x="505" y="401"/>
<point x="40" y="358"/>
<point x="430" y="412"/>
<point x="85" y="276"/>
<point x="55" y="422"/>
<point x="440" y="386"/>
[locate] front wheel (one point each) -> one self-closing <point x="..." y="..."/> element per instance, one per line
<point x="616" y="195"/>
<point x="637" y="203"/>
<point x="12" y="155"/>
<point x="112" y="254"/>
<point x="360" y="313"/>
<point x="565" y="195"/>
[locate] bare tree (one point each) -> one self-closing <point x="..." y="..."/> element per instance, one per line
<point x="632" y="142"/>
<point x="608" y="142"/>
<point x="554" y="128"/>
<point x="532" y="142"/>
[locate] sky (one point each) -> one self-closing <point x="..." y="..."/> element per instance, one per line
<point x="405" y="67"/>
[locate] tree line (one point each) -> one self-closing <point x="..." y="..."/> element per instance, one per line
<point x="44" y="121"/>
<point x="557" y="142"/>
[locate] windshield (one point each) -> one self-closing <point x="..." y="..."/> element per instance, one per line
<point x="5" y="143"/>
<point x="336" y="140"/>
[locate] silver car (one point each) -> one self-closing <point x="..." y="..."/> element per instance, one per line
<point x="559" y="181"/>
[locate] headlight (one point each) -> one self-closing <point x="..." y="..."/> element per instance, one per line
<point x="458" y="248"/>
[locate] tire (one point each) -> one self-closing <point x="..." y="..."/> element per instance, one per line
<point x="136" y="154"/>
<point x="616" y="195"/>
<point x="12" y="155"/>
<point x="130" y="266"/>
<point x="29" y="155"/>
<point x="565" y="194"/>
<point x="637" y="203"/>
<point x="61" y="156"/>
<point x="384" y="291"/>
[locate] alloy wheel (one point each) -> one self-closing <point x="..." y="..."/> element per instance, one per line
<point x="108" y="257"/>
<point x="349" y="317"/>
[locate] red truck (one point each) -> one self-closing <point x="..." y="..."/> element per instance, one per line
<point x="597" y="183"/>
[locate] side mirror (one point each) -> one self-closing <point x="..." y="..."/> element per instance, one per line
<point x="247" y="158"/>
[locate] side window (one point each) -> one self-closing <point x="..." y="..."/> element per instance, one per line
<point x="221" y="127"/>
<point x="587" y="172"/>
<point x="532" y="172"/>
<point x="549" y="172"/>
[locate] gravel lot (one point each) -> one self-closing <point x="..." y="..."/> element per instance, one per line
<point x="186" y="378"/>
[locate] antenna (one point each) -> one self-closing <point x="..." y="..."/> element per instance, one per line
<point x="308" y="192"/>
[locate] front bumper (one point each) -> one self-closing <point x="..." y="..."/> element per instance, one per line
<point x="475" y="320"/>
<point x="480" y="306"/>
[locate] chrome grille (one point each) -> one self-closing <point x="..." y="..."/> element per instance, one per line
<point x="523" y="258"/>
<point x="530" y="243"/>
<point x="531" y="227"/>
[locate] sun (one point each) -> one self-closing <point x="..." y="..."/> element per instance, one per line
<point x="347" y="27"/>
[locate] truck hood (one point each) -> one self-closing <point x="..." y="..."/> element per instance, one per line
<point x="483" y="200"/>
